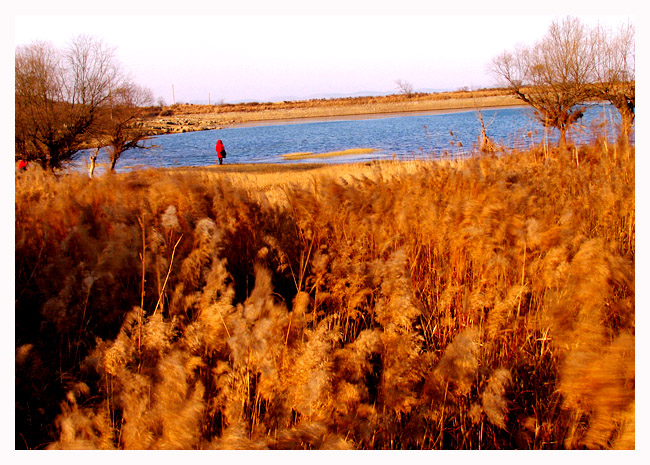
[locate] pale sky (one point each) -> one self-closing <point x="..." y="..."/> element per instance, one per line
<point x="249" y="50"/>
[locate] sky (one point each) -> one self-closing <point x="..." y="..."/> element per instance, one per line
<point x="218" y="51"/>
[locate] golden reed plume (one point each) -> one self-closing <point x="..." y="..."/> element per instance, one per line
<point x="479" y="304"/>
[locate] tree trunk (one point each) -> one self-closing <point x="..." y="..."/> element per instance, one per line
<point x="93" y="160"/>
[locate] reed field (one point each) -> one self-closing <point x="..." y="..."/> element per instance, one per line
<point x="486" y="303"/>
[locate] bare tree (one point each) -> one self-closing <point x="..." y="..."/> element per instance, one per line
<point x="614" y="72"/>
<point x="58" y="97"/>
<point x="37" y="82"/>
<point x="118" y="129"/>
<point x="404" y="87"/>
<point x="553" y="75"/>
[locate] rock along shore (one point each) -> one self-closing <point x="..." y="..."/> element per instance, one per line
<point x="188" y="118"/>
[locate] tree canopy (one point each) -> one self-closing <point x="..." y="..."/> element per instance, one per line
<point x="67" y="98"/>
<point x="569" y="66"/>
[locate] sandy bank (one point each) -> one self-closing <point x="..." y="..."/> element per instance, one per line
<point x="315" y="119"/>
<point x="193" y="119"/>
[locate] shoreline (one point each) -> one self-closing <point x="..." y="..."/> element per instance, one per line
<point x="189" y="118"/>
<point x="365" y="116"/>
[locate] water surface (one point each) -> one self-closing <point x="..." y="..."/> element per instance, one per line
<point x="401" y="137"/>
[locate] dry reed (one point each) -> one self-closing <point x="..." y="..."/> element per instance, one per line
<point x="481" y="304"/>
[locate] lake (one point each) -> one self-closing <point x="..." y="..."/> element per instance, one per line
<point x="425" y="136"/>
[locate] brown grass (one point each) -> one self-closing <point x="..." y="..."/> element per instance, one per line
<point x="438" y="99"/>
<point x="482" y="304"/>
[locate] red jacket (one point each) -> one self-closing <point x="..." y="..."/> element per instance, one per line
<point x="219" y="147"/>
<point x="22" y="164"/>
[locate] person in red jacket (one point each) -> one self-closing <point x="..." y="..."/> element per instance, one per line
<point x="221" y="151"/>
<point x="22" y="165"/>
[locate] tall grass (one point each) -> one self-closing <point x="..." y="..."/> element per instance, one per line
<point x="482" y="304"/>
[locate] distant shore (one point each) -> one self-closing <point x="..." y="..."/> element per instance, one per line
<point x="362" y="116"/>
<point x="188" y="118"/>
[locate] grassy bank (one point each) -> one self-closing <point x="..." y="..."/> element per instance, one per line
<point x="482" y="304"/>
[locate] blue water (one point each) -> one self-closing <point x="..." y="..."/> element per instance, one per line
<point x="403" y="137"/>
